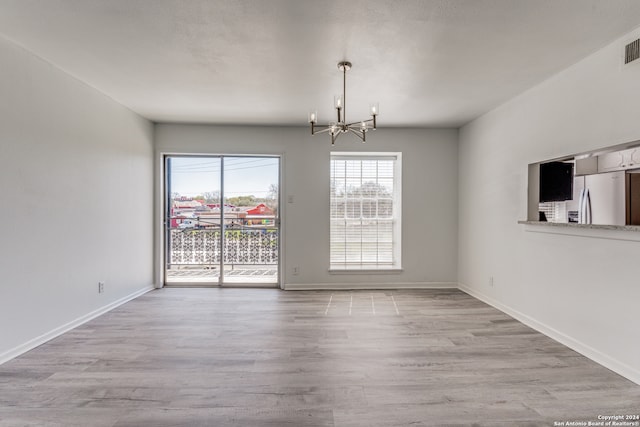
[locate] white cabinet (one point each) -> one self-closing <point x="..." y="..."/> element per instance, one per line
<point x="586" y="166"/>
<point x="631" y="158"/>
<point x="619" y="160"/>
<point x="635" y="158"/>
<point x="610" y="162"/>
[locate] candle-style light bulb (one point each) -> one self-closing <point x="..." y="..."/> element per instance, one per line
<point x="375" y="109"/>
<point x="313" y="117"/>
<point x="338" y="102"/>
<point x="333" y="127"/>
<point x="363" y="127"/>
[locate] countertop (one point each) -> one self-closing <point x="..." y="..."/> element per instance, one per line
<point x="582" y="226"/>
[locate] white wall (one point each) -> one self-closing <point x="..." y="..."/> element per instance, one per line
<point x="582" y="287"/>
<point x="76" y="180"/>
<point x="429" y="210"/>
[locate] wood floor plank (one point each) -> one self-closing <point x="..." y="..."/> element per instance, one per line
<point x="264" y="357"/>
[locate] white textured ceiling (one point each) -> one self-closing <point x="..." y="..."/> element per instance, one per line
<point x="428" y="63"/>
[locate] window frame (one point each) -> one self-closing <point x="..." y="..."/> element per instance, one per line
<point x="396" y="217"/>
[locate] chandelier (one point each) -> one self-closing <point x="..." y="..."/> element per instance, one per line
<point x="335" y="129"/>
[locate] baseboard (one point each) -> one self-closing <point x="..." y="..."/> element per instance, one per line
<point x="597" y="356"/>
<point x="368" y="285"/>
<point x="31" y="344"/>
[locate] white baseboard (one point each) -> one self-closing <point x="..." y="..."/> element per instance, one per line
<point x="368" y="285"/>
<point x="597" y="356"/>
<point x="35" y="342"/>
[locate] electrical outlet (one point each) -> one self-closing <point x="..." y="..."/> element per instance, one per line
<point x="491" y="281"/>
<point x="100" y="287"/>
<point x="296" y="270"/>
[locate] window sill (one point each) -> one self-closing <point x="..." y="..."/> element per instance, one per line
<point x="365" y="271"/>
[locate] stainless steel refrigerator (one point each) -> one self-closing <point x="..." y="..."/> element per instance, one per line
<point x="601" y="198"/>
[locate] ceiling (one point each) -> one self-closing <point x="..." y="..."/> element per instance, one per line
<point x="429" y="63"/>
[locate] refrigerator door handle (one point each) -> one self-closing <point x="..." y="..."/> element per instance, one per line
<point x="581" y="212"/>
<point x="587" y="206"/>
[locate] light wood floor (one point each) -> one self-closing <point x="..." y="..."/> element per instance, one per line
<point x="263" y="357"/>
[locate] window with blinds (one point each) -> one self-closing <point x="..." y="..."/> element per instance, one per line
<point x="365" y="211"/>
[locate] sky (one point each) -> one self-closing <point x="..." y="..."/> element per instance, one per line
<point x="244" y="176"/>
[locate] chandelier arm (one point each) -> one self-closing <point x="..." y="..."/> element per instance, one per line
<point x="360" y="121"/>
<point x="358" y="134"/>
<point x="326" y="129"/>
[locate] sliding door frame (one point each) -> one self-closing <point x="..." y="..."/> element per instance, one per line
<point x="163" y="208"/>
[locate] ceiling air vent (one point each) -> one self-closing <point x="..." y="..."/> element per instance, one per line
<point x="632" y="51"/>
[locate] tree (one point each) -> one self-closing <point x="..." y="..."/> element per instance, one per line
<point x="242" y="200"/>
<point x="273" y="192"/>
<point x="369" y="189"/>
<point x="211" y="196"/>
<point x="272" y="198"/>
<point x="368" y="200"/>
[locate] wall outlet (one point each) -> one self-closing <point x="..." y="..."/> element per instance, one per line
<point x="296" y="270"/>
<point x="100" y="287"/>
<point x="491" y="281"/>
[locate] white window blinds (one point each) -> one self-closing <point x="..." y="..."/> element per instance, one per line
<point x="365" y="211"/>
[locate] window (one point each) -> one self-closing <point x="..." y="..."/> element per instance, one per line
<point x="365" y="211"/>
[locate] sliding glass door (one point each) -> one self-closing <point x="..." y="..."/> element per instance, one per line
<point x="222" y="221"/>
<point x="251" y="240"/>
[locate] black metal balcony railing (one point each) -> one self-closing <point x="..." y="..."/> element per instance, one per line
<point x="202" y="247"/>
